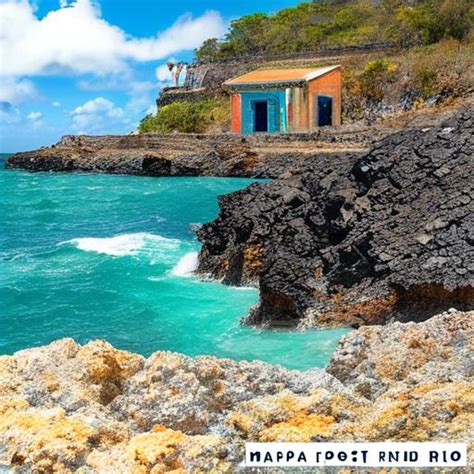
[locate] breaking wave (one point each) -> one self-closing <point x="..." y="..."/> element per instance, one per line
<point x="186" y="266"/>
<point x="126" y="244"/>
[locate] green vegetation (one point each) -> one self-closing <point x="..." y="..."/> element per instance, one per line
<point x="439" y="71"/>
<point x="207" y="115"/>
<point x="435" y="68"/>
<point x="309" y="26"/>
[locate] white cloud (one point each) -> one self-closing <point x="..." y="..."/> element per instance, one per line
<point x="163" y="74"/>
<point x="8" y="113"/>
<point x="15" y="90"/>
<point x="34" y="116"/>
<point x="98" y="105"/>
<point x="75" y="39"/>
<point x="56" y="103"/>
<point x="94" y="114"/>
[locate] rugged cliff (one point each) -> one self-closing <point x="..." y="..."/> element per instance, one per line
<point x="92" y="408"/>
<point x="356" y="239"/>
<point x="181" y="154"/>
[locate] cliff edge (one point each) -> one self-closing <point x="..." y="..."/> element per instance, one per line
<point x="356" y="239"/>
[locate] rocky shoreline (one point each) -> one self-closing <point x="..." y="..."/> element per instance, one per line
<point x="379" y="239"/>
<point x="71" y="408"/>
<point x="225" y="155"/>
<point x="361" y="239"/>
<point x="342" y="235"/>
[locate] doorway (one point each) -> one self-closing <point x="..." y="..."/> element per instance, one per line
<point x="324" y="110"/>
<point x="261" y="116"/>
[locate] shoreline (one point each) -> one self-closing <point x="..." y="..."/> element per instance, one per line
<point x="221" y="155"/>
<point x="314" y="239"/>
<point x="67" y="406"/>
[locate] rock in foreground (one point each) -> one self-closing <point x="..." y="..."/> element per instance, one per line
<point x="356" y="240"/>
<point x="92" y="408"/>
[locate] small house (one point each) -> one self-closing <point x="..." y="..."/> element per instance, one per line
<point x="286" y="100"/>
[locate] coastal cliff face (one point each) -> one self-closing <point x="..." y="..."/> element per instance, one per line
<point x="265" y="156"/>
<point x="356" y="239"/>
<point x="92" y="408"/>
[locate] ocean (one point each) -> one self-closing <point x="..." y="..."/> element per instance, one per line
<point x="112" y="257"/>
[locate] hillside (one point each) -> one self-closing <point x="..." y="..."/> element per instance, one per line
<point x="312" y="25"/>
<point x="397" y="57"/>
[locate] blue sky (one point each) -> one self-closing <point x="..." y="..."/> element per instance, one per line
<point x="96" y="67"/>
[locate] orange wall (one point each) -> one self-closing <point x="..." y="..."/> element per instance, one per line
<point x="331" y="85"/>
<point x="303" y="103"/>
<point x="236" y="113"/>
<point x="299" y="105"/>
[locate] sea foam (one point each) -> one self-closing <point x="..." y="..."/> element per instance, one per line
<point x="125" y="244"/>
<point x="186" y="266"/>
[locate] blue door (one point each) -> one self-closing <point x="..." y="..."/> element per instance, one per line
<point x="259" y="107"/>
<point x="324" y="110"/>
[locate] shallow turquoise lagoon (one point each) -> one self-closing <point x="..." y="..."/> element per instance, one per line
<point x="102" y="256"/>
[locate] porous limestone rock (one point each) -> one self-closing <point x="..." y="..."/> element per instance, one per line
<point x="95" y="409"/>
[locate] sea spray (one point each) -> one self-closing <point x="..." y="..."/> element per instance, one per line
<point x="186" y="266"/>
<point x="125" y="244"/>
<point x="111" y="277"/>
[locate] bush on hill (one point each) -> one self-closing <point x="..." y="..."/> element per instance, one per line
<point x="189" y="117"/>
<point x="433" y="73"/>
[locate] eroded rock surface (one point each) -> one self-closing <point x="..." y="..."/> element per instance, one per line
<point x="356" y="240"/>
<point x="92" y="408"/>
<point x="263" y="156"/>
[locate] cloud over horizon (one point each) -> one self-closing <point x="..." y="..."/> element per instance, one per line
<point x="67" y="68"/>
<point x="75" y="40"/>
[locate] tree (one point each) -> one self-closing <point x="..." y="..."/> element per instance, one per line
<point x="246" y="35"/>
<point x="208" y="51"/>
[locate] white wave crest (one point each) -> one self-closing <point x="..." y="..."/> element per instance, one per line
<point x="126" y="244"/>
<point x="186" y="266"/>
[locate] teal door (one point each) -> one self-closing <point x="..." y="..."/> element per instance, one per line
<point x="263" y="112"/>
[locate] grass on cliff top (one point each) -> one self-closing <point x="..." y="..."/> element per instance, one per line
<point x="317" y="24"/>
<point x="205" y="116"/>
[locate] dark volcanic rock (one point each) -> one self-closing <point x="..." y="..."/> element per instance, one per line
<point x="260" y="156"/>
<point x="356" y="240"/>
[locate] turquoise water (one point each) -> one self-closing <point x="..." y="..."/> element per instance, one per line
<point x="102" y="256"/>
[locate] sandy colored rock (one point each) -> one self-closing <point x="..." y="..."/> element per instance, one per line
<point x="94" y="409"/>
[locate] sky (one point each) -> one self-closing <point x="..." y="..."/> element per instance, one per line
<point x="97" y="66"/>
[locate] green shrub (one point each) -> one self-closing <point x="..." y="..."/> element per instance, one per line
<point x="433" y="20"/>
<point x="375" y="78"/>
<point x="440" y="68"/>
<point x="189" y="117"/>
